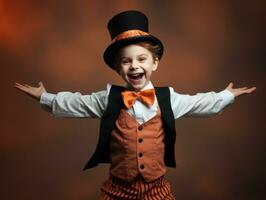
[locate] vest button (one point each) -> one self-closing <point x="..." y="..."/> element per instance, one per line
<point x="140" y="155"/>
<point x="140" y="140"/>
<point x="140" y="127"/>
<point x="142" y="166"/>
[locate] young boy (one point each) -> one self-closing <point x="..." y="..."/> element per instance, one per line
<point x="137" y="131"/>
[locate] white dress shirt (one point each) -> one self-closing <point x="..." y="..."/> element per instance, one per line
<point x="68" y="104"/>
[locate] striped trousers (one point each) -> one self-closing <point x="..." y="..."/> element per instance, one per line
<point x="117" y="189"/>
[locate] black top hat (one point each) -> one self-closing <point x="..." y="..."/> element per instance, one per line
<point x="125" y="28"/>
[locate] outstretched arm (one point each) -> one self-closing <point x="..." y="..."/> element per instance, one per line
<point x="205" y="104"/>
<point x="68" y="104"/>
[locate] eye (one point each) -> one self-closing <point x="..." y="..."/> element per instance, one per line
<point x="142" y="59"/>
<point x="124" y="61"/>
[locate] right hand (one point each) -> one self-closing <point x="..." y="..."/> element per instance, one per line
<point x="239" y="91"/>
<point x="34" y="92"/>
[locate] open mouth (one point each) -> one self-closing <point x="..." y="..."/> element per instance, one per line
<point x="136" y="76"/>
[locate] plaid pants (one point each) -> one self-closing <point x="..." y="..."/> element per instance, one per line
<point x="117" y="189"/>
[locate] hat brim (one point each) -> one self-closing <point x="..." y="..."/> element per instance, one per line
<point x="110" y="51"/>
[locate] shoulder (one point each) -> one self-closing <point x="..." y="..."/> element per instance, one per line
<point x="165" y="90"/>
<point x="113" y="92"/>
<point x="109" y="88"/>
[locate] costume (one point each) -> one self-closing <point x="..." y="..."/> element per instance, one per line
<point x="138" y="141"/>
<point x="68" y="104"/>
<point x="116" y="188"/>
<point x="108" y="123"/>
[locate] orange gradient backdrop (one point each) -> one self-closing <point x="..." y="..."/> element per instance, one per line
<point x="207" y="45"/>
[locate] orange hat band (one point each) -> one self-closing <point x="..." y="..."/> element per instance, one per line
<point x="128" y="34"/>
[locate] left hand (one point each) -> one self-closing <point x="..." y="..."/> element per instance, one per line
<point x="34" y="92"/>
<point x="239" y="91"/>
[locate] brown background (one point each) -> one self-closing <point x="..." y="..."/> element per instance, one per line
<point x="208" y="44"/>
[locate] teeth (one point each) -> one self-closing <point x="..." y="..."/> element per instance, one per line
<point x="138" y="74"/>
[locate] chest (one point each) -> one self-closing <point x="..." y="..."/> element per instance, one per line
<point x="128" y="128"/>
<point x="143" y="113"/>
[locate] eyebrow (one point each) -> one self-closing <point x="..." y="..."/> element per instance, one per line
<point x="143" y="54"/>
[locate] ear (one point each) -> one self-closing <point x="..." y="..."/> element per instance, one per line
<point x="155" y="64"/>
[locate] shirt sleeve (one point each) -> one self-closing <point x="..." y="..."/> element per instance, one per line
<point x="69" y="104"/>
<point x="200" y="104"/>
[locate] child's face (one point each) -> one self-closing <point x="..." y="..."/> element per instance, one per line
<point x="135" y="65"/>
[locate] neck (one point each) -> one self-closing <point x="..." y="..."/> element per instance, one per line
<point x="129" y="87"/>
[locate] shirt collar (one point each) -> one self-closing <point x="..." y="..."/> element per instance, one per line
<point x="148" y="86"/>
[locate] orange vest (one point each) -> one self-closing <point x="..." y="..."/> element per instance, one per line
<point x="110" y="116"/>
<point x="136" y="148"/>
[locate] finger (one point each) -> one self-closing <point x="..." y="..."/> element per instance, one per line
<point x="27" y="85"/>
<point x="251" y="90"/>
<point x="230" y="85"/>
<point x="240" y="89"/>
<point x="17" y="84"/>
<point x="248" y="91"/>
<point x="30" y="87"/>
<point x="22" y="88"/>
<point x="41" y="84"/>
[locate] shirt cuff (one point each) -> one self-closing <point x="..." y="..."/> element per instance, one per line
<point x="227" y="96"/>
<point x="47" y="98"/>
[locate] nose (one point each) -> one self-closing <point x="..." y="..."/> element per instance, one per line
<point x="134" y="65"/>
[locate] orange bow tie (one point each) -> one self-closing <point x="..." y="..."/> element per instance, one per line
<point x="146" y="96"/>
